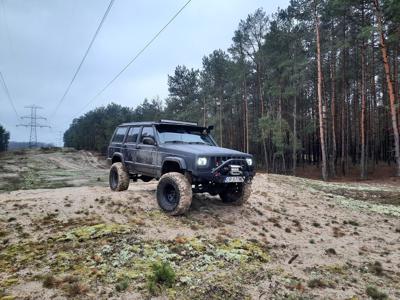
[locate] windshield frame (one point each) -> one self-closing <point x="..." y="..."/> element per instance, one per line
<point x="186" y="128"/>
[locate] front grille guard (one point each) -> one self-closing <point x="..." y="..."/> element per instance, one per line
<point x="239" y="161"/>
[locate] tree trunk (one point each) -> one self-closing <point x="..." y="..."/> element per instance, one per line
<point x="246" y="119"/>
<point x="392" y="96"/>
<point x="321" y="108"/>
<point x="343" y="158"/>
<point x="363" y="108"/>
<point x="294" y="133"/>
<point x="333" y="112"/>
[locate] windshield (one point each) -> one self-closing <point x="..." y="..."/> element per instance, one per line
<point x="182" y="134"/>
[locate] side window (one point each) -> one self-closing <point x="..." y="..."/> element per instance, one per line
<point x="147" y="132"/>
<point x="132" y="135"/>
<point x="119" y="135"/>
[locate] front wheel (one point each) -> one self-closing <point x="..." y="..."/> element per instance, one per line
<point x="119" y="177"/>
<point x="236" y="194"/>
<point x="174" y="193"/>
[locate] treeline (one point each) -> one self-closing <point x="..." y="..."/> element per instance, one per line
<point x="94" y="130"/>
<point x="4" y="138"/>
<point x="315" y="83"/>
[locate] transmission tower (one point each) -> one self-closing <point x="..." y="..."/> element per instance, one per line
<point x="33" y="124"/>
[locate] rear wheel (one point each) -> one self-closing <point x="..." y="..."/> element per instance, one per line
<point x="236" y="194"/>
<point x="119" y="177"/>
<point x="174" y="193"/>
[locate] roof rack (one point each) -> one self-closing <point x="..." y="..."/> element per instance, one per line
<point x="178" y="122"/>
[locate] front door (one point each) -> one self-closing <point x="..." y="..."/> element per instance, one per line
<point x="146" y="154"/>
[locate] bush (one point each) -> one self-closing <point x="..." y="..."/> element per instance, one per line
<point x="122" y="285"/>
<point x="49" y="281"/>
<point x="162" y="274"/>
<point x="375" y="294"/>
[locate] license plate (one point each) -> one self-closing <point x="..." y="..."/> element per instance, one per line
<point x="231" y="179"/>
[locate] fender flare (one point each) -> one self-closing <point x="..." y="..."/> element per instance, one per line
<point x="179" y="160"/>
<point x="120" y="155"/>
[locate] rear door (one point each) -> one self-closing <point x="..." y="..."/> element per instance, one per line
<point x="117" y="141"/>
<point x="146" y="154"/>
<point x="130" y="147"/>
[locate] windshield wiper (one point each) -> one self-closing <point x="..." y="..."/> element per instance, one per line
<point x="175" y="142"/>
<point x="199" y="143"/>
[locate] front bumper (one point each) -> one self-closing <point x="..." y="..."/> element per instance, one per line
<point x="224" y="171"/>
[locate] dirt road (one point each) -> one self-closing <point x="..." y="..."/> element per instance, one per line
<point x="294" y="239"/>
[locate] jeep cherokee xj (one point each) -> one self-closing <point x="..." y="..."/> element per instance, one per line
<point x="184" y="158"/>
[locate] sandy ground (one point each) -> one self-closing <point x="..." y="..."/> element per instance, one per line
<point x="294" y="239"/>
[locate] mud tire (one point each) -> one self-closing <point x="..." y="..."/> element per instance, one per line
<point x="174" y="193"/>
<point x="236" y="195"/>
<point x="119" y="177"/>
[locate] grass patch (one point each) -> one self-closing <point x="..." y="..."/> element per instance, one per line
<point x="162" y="275"/>
<point x="122" y="285"/>
<point x="375" y="294"/>
<point x="113" y="254"/>
<point x="320" y="283"/>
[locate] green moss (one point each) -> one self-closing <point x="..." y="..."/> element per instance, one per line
<point x="336" y="269"/>
<point x="93" y="232"/>
<point x="9" y="282"/>
<point x="196" y="245"/>
<point x="8" y="297"/>
<point x="113" y="253"/>
<point x="18" y="255"/>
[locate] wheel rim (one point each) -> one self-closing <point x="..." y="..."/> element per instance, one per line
<point x="113" y="178"/>
<point x="170" y="195"/>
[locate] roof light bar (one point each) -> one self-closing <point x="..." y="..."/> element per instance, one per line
<point x="178" y="122"/>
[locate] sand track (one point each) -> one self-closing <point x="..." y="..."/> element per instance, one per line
<point x="321" y="242"/>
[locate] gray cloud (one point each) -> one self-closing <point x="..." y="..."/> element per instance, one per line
<point x="42" y="42"/>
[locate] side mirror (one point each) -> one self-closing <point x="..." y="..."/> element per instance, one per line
<point x="149" y="141"/>
<point x="209" y="128"/>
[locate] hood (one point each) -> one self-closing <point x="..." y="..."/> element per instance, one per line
<point x="203" y="150"/>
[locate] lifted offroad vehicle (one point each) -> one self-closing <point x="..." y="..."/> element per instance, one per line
<point x="184" y="158"/>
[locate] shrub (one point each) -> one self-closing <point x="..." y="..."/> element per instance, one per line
<point x="162" y="274"/>
<point x="49" y="281"/>
<point x="375" y="294"/>
<point x="122" y="285"/>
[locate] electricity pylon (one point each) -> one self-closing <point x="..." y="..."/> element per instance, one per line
<point x="33" y="124"/>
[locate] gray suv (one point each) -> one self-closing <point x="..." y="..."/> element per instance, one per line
<point x="184" y="158"/>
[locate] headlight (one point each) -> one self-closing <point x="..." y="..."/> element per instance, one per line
<point x="202" y="161"/>
<point x="249" y="161"/>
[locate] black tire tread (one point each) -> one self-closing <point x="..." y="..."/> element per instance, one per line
<point x="123" y="177"/>
<point x="185" y="192"/>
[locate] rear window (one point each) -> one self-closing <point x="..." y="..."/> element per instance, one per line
<point x="119" y="135"/>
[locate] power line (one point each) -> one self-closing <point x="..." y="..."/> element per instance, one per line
<point x="84" y="57"/>
<point x="8" y="94"/>
<point x="11" y="49"/>
<point x="33" y="124"/>
<point x="137" y="55"/>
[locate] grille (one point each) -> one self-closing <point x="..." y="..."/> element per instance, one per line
<point x="237" y="160"/>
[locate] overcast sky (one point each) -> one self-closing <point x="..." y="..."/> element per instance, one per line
<point x="43" y="41"/>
